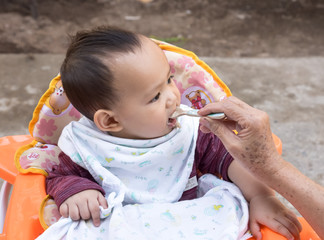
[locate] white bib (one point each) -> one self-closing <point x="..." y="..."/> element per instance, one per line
<point x="154" y="170"/>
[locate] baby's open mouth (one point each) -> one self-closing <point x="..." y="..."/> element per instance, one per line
<point x="172" y="122"/>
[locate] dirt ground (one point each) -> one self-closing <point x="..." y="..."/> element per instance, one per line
<point x="218" y="28"/>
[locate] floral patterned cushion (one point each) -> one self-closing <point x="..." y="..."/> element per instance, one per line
<point x="53" y="112"/>
<point x="196" y="81"/>
<point x="49" y="212"/>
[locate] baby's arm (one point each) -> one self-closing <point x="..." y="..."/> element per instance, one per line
<point x="265" y="208"/>
<point x="75" y="191"/>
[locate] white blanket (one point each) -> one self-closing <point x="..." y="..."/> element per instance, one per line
<point x="221" y="214"/>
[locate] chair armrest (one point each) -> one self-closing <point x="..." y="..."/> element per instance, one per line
<point x="277" y="143"/>
<point x="22" y="218"/>
<point x="8" y="147"/>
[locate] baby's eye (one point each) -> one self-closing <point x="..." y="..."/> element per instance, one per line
<point x="155" y="98"/>
<point x="170" y="79"/>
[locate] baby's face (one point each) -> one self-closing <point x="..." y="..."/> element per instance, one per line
<point x="147" y="92"/>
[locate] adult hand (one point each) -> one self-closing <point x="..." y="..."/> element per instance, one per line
<point x="253" y="145"/>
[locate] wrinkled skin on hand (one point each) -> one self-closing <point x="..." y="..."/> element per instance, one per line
<point x="253" y="145"/>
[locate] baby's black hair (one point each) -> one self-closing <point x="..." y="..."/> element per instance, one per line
<point x="86" y="79"/>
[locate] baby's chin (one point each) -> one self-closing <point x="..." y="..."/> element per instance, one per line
<point x="170" y="126"/>
<point x="166" y="132"/>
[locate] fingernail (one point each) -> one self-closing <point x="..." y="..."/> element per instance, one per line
<point x="96" y="224"/>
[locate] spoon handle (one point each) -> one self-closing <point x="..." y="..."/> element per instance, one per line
<point x="219" y="115"/>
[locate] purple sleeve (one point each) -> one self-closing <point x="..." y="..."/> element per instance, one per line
<point x="67" y="179"/>
<point x="211" y="155"/>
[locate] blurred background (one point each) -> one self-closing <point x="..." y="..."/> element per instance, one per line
<point x="235" y="28"/>
<point x="270" y="54"/>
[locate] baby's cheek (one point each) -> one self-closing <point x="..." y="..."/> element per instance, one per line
<point x="178" y="96"/>
<point x="154" y="123"/>
<point x="161" y="124"/>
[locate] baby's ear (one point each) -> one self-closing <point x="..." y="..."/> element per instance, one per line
<point x="106" y="121"/>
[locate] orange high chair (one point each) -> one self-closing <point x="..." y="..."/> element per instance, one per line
<point x="25" y="210"/>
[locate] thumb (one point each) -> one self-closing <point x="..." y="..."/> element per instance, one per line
<point x="222" y="129"/>
<point x="213" y="126"/>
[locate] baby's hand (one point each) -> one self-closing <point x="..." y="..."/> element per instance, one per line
<point x="84" y="205"/>
<point x="269" y="211"/>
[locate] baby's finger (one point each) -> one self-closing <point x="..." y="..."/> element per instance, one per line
<point x="94" y="211"/>
<point x="294" y="219"/>
<point x="255" y="230"/>
<point x="281" y="228"/>
<point x="102" y="201"/>
<point x="74" y="212"/>
<point x="64" y="210"/>
<point x="289" y="226"/>
<point x="84" y="212"/>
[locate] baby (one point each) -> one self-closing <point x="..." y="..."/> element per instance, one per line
<point x="129" y="149"/>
